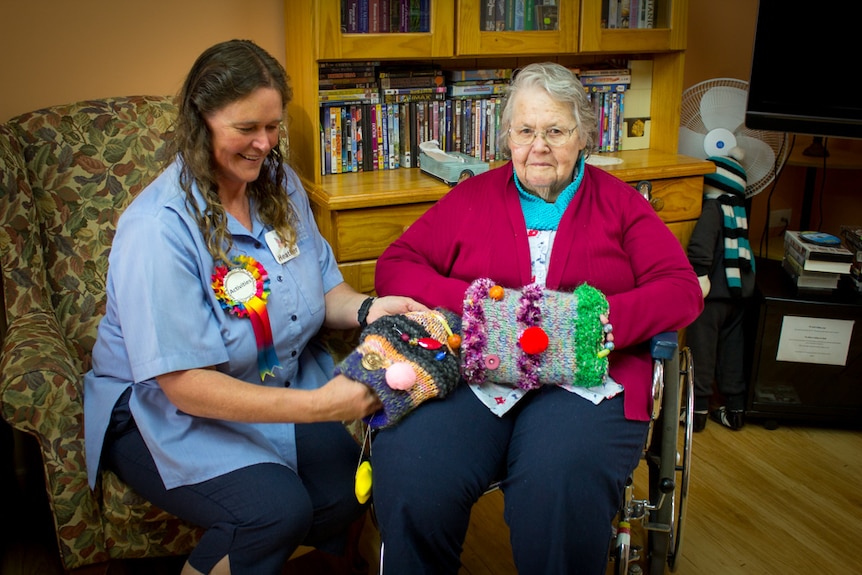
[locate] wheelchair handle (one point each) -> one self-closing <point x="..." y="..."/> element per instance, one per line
<point x="664" y="345"/>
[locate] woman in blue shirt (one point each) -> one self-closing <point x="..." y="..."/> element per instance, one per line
<point x="206" y="393"/>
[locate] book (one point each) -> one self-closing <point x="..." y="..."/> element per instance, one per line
<point x="349" y="95"/>
<point x="474" y="90"/>
<point x="546" y="17"/>
<point x="610" y="78"/>
<point x="648" y="9"/>
<point x="479" y="74"/>
<point x="603" y="70"/>
<point x="816" y="251"/>
<point x="325" y="143"/>
<point x="417" y="81"/>
<point x="404" y="136"/>
<point x="592" y="89"/>
<point x="853" y="240"/>
<point x="351" y="81"/>
<point x="413" y="91"/>
<point x="488" y="23"/>
<point x="816" y="258"/>
<point x="808" y="279"/>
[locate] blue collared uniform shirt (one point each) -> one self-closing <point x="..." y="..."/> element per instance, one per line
<point x="163" y="315"/>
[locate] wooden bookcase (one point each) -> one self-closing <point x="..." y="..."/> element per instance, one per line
<point x="361" y="213"/>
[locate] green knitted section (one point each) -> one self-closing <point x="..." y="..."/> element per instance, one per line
<point x="589" y="336"/>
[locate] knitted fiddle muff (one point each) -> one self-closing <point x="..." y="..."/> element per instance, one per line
<point x="534" y="336"/>
<point x="407" y="359"/>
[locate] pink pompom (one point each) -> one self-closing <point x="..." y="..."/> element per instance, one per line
<point x="400" y="375"/>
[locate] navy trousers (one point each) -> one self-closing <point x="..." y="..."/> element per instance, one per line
<point x="257" y="515"/>
<point x="564" y="464"/>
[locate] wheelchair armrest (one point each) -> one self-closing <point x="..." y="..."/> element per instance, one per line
<point x="664" y="345"/>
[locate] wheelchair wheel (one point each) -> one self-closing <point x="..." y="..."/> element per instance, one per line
<point x="670" y="461"/>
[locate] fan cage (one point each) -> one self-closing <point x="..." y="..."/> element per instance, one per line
<point x="690" y="117"/>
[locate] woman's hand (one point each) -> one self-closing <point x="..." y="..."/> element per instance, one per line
<point x="343" y="303"/>
<point x="343" y="398"/>
<point x="392" y="304"/>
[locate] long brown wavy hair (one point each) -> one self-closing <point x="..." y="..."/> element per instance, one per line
<point x="221" y="75"/>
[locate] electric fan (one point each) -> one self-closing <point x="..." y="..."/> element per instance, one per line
<point x="712" y="122"/>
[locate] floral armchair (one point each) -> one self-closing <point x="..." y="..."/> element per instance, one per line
<point x="66" y="173"/>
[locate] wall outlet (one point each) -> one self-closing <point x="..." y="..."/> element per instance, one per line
<point x="780" y="218"/>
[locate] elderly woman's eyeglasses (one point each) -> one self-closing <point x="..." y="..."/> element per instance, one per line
<point x="553" y="136"/>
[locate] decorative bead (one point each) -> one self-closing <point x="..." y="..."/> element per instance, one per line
<point x="400" y="375"/>
<point x="609" y="345"/>
<point x="534" y="340"/>
<point x="440" y="355"/>
<point x="454" y="342"/>
<point x="603" y="352"/>
<point x="428" y="343"/>
<point x="496" y="293"/>
<point x="607" y="328"/>
<point x="405" y="337"/>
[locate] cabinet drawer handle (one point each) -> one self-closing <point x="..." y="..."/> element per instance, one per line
<point x="645" y="189"/>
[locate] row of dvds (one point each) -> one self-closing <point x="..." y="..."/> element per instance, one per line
<point x="609" y="108"/>
<point x="368" y="137"/>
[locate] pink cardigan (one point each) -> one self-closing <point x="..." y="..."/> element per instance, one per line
<point x="609" y="237"/>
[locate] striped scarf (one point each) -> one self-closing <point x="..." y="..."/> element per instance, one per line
<point x="737" y="249"/>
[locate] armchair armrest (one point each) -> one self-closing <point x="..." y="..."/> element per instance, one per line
<point x="40" y="393"/>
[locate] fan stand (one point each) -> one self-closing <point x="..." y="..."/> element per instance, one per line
<point x="816" y="149"/>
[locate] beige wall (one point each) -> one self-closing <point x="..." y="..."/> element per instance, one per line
<point x="55" y="52"/>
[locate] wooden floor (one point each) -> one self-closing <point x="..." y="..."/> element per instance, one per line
<point x="760" y="502"/>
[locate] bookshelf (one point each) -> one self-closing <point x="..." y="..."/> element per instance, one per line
<point x="360" y="213"/>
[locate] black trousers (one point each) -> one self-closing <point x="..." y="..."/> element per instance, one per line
<point x="717" y="342"/>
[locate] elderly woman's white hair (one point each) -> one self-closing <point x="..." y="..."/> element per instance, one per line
<point x="562" y="85"/>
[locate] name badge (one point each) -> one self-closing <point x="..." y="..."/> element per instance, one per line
<point x="283" y="252"/>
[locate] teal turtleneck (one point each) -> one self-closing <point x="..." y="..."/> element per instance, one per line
<point x="542" y="215"/>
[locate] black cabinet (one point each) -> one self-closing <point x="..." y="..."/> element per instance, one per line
<point x="798" y="365"/>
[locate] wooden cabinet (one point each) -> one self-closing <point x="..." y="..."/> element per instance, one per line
<point x="360" y="213"/>
<point x="472" y="41"/>
<point x="332" y="44"/>
<point x="668" y="34"/>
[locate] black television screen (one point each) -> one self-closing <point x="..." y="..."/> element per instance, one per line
<point x="803" y="72"/>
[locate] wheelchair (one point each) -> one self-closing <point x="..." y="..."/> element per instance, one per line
<point x="661" y="514"/>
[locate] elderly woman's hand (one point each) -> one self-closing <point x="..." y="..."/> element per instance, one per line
<point x="391" y="305"/>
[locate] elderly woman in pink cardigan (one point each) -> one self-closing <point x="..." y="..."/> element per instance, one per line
<point x="563" y="452"/>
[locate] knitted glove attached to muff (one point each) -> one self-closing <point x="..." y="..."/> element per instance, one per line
<point x="535" y="336"/>
<point x="407" y="359"/>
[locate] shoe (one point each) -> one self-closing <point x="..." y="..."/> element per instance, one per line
<point x="731" y="419"/>
<point x="699" y="422"/>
